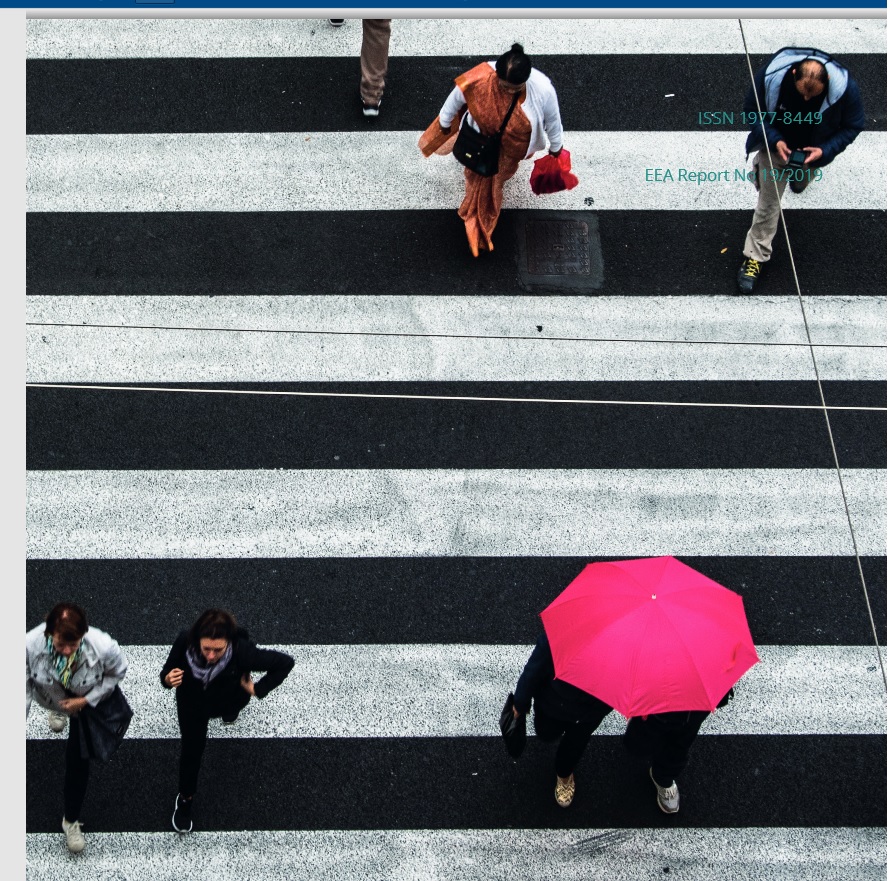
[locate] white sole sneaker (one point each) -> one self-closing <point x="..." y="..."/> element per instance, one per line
<point x="173" y="820"/>
<point x="73" y="836"/>
<point x="668" y="798"/>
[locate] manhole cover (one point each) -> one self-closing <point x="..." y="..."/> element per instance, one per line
<point x="557" y="247"/>
<point x="560" y="252"/>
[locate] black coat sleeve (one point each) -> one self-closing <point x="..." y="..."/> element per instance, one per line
<point x="176" y="658"/>
<point x="538" y="672"/>
<point x="851" y="122"/>
<point x="277" y="665"/>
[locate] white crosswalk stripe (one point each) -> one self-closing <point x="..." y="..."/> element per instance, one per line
<point x="452" y="854"/>
<point x="842" y="325"/>
<point x="321" y="513"/>
<point x="382" y="691"/>
<point x="295" y="37"/>
<point x="338" y="171"/>
<point x="833" y="320"/>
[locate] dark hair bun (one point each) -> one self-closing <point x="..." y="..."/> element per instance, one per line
<point x="514" y="66"/>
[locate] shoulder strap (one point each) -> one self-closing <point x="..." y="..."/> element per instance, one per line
<point x="503" y="127"/>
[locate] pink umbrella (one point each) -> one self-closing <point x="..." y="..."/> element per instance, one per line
<point x="649" y="636"/>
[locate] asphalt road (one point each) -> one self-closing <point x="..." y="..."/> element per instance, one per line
<point x="389" y="500"/>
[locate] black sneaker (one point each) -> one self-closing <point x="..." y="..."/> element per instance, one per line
<point x="798" y="186"/>
<point x="748" y="275"/>
<point x="182" y="815"/>
<point x="336" y="22"/>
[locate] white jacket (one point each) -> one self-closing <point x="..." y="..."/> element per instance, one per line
<point x="102" y="667"/>
<point x="540" y="106"/>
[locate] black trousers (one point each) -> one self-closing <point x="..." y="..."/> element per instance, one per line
<point x="77" y="772"/>
<point x="193" y="730"/>
<point x="575" y="736"/>
<point x="193" y="721"/>
<point x="664" y="739"/>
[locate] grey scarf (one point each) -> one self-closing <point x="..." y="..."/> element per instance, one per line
<point x="202" y="671"/>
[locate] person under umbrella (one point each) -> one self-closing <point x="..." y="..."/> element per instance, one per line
<point x="562" y="712"/>
<point x="664" y="740"/>
<point x="662" y="643"/>
<point x="210" y="666"/>
<point x="69" y="666"/>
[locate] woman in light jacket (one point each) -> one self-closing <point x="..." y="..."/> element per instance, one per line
<point x="487" y="92"/>
<point x="68" y="666"/>
<point x="210" y="667"/>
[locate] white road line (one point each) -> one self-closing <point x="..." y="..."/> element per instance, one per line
<point x="135" y="355"/>
<point x="755" y="854"/>
<point x="270" y="393"/>
<point x="443" y="512"/>
<point x="386" y="691"/>
<point x="343" y="171"/>
<point x="487" y="38"/>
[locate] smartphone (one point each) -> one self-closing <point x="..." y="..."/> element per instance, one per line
<point x="797" y="159"/>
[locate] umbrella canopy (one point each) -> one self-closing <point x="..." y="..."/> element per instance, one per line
<point x="649" y="636"/>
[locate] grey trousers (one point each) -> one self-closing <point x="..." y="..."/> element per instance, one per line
<point x="759" y="241"/>
<point x="375" y="58"/>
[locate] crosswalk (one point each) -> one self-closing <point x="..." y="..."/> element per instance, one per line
<point x="371" y="448"/>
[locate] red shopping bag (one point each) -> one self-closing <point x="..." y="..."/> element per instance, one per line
<point x="551" y="174"/>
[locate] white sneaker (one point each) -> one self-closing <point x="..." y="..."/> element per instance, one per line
<point x="371" y="109"/>
<point x="57" y="721"/>
<point x="73" y="836"/>
<point x="668" y="798"/>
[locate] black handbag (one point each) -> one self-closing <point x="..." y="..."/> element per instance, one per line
<point x="481" y="153"/>
<point x="102" y="728"/>
<point x="513" y="729"/>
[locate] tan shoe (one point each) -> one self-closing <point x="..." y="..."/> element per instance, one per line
<point x="73" y="836"/>
<point x="565" y="792"/>
<point x="57" y="721"/>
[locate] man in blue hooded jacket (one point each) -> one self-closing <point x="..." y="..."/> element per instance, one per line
<point x="808" y="102"/>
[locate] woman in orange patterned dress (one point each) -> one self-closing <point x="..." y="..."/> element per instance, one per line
<point x="486" y="92"/>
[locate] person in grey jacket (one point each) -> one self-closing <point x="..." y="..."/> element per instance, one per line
<point x="68" y="666"/>
<point x="562" y="712"/>
<point x="810" y="103"/>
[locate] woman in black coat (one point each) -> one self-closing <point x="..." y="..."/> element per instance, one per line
<point x="210" y="666"/>
<point x="562" y="712"/>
